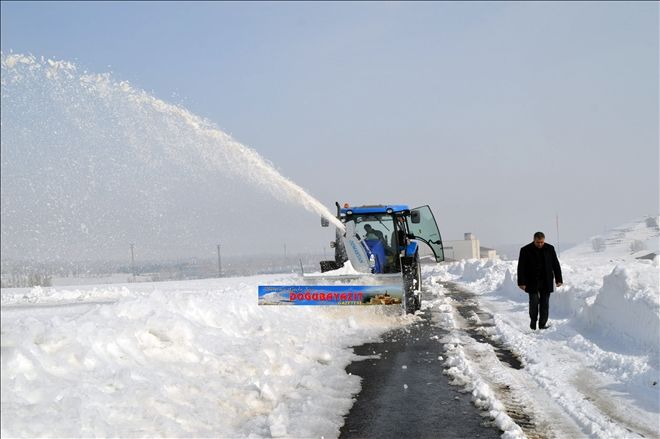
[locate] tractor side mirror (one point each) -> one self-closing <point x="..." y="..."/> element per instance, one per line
<point x="415" y="217"/>
<point x="324" y="222"/>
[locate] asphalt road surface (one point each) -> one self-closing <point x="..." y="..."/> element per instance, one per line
<point x="404" y="393"/>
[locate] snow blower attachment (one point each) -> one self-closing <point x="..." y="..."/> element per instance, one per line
<point x="380" y="247"/>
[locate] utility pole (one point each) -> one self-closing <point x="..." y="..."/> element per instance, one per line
<point x="133" y="260"/>
<point x="219" y="263"/>
<point x="557" y="217"/>
<point x="285" y="250"/>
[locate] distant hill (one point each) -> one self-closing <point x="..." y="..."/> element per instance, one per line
<point x="510" y="252"/>
<point x="635" y="240"/>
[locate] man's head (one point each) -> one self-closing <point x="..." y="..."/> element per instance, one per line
<point x="539" y="239"/>
<point x="368" y="227"/>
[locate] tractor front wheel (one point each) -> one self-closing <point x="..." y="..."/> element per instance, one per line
<point x="418" y="285"/>
<point x="411" y="282"/>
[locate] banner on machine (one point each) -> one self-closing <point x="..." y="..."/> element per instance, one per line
<point x="330" y="295"/>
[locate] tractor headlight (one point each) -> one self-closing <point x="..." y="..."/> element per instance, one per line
<point x="389" y="210"/>
<point x="349" y="212"/>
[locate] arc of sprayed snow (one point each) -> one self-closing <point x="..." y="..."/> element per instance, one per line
<point x="254" y="166"/>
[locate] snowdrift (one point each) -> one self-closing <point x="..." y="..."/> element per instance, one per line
<point x="627" y="308"/>
<point x="178" y="359"/>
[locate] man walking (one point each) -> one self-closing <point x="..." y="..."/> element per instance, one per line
<point x="538" y="266"/>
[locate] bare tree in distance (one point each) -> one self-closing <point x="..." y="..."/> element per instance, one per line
<point x="637" y="246"/>
<point x="598" y="244"/>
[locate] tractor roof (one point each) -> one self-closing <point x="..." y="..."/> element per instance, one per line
<point x="375" y="209"/>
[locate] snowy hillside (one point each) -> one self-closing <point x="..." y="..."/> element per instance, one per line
<point x="634" y="240"/>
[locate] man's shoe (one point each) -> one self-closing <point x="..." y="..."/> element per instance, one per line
<point x="533" y="326"/>
<point x="546" y="326"/>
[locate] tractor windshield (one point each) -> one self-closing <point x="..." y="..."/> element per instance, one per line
<point x="375" y="227"/>
<point x="379" y="234"/>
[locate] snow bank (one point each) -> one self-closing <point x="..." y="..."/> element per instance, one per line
<point x="628" y="308"/>
<point x="509" y="288"/>
<point x="204" y="360"/>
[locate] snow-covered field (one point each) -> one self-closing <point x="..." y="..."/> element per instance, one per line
<point x="194" y="358"/>
<point x="202" y="359"/>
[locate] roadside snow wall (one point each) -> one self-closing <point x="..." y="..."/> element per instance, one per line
<point x="628" y="308"/>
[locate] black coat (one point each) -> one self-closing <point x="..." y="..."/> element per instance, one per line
<point x="526" y="268"/>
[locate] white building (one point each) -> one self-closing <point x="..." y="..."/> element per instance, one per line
<point x="488" y="253"/>
<point x="468" y="248"/>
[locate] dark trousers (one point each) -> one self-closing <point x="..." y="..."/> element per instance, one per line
<point x="539" y="305"/>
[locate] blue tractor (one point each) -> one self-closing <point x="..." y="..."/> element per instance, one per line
<point x="382" y="241"/>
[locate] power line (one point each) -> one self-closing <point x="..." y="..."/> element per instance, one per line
<point x="133" y="260"/>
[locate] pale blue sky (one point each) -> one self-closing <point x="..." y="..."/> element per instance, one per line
<point x="499" y="115"/>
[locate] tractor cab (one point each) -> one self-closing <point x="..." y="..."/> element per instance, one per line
<point x="377" y="236"/>
<point x="382" y="244"/>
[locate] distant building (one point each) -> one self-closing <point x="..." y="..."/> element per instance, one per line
<point x="468" y="248"/>
<point x="488" y="253"/>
